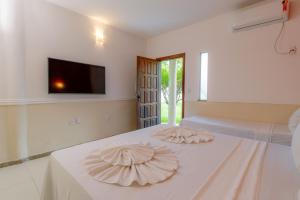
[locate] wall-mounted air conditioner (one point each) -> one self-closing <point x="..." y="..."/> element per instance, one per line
<point x="261" y="14"/>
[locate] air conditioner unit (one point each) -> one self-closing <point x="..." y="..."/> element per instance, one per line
<point x="261" y="14"/>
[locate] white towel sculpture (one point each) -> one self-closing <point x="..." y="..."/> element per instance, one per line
<point x="130" y="164"/>
<point x="185" y="135"/>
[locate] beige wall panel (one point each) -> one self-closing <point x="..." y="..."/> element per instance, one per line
<point x="276" y="113"/>
<point x="16" y="132"/>
<point x="53" y="126"/>
<point x="3" y="143"/>
<point x="35" y="129"/>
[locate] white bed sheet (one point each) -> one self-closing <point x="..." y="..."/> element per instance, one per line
<point x="67" y="178"/>
<point x="274" y="133"/>
<point x="280" y="180"/>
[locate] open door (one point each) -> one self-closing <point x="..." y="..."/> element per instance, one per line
<point x="172" y="69"/>
<point x="148" y="92"/>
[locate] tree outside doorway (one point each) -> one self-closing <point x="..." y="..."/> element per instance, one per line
<point x="165" y="77"/>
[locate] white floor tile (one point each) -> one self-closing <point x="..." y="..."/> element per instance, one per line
<point x="24" y="181"/>
<point x="22" y="191"/>
<point x="13" y="175"/>
<point x="37" y="169"/>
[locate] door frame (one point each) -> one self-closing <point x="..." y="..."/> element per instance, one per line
<point x="175" y="56"/>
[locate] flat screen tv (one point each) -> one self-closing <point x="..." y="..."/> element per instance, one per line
<point x="66" y="77"/>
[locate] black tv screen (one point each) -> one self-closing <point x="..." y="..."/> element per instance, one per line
<point x="75" y="78"/>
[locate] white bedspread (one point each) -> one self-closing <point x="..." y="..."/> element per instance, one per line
<point x="269" y="132"/>
<point x="226" y="167"/>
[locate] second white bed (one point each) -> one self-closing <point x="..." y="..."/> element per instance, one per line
<point x="269" y="132"/>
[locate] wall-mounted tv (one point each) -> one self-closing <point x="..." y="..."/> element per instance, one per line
<point x="66" y="77"/>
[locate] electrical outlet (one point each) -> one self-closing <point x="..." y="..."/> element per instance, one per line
<point x="77" y="120"/>
<point x="74" y="121"/>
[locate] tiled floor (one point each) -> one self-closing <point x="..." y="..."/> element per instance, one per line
<point x="24" y="181"/>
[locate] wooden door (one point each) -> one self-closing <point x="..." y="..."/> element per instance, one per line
<point x="148" y="92"/>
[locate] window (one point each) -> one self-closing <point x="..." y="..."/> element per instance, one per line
<point x="204" y="76"/>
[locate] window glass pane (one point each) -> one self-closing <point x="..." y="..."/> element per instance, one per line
<point x="204" y="76"/>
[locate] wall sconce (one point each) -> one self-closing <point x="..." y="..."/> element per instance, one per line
<point x="99" y="34"/>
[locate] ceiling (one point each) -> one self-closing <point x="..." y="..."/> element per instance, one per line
<point x="148" y="18"/>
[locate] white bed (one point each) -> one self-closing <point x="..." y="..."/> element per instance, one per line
<point x="270" y="132"/>
<point x="67" y="179"/>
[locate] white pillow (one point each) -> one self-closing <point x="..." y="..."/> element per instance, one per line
<point x="296" y="147"/>
<point x="294" y="120"/>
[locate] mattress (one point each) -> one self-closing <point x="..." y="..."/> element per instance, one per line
<point x="269" y="132"/>
<point x="67" y="178"/>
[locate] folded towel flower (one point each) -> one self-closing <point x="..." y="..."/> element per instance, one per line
<point x="185" y="135"/>
<point x="129" y="164"/>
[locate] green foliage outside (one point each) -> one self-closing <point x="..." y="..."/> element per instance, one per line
<point x="165" y="91"/>
<point x="165" y="80"/>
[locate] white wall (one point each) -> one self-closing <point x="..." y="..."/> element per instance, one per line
<point x="243" y="67"/>
<point x="12" y="58"/>
<point x="40" y="30"/>
<point x="30" y="32"/>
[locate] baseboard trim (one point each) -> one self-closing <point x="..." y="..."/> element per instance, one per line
<point x="17" y="162"/>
